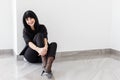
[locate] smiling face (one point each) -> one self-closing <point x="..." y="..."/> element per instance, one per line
<point x="30" y="21"/>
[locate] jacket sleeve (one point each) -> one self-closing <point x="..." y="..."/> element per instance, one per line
<point x="26" y="36"/>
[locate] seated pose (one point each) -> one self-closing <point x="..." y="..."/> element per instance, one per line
<point x="37" y="49"/>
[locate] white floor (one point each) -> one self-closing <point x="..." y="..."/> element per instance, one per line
<point x="70" y="68"/>
<point x="7" y="67"/>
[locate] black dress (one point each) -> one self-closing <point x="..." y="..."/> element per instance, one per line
<point x="37" y="37"/>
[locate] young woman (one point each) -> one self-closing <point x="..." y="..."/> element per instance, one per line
<point x="37" y="48"/>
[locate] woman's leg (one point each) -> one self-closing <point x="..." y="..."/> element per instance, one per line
<point x="51" y="56"/>
<point x="30" y="54"/>
<point x="39" y="41"/>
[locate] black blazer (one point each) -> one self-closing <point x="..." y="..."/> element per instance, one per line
<point x="28" y="35"/>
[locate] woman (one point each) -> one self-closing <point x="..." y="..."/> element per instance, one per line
<point x="37" y="48"/>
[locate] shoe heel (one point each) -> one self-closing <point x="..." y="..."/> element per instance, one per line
<point x="42" y="72"/>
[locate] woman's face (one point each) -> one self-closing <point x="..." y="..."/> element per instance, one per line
<point x="30" y="21"/>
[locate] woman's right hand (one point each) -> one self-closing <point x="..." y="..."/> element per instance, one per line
<point x="41" y="51"/>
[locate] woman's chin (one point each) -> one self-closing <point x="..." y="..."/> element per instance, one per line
<point x="31" y="25"/>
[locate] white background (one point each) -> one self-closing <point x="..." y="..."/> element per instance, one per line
<point x="73" y="24"/>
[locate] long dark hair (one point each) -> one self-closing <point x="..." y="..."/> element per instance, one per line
<point x="30" y="14"/>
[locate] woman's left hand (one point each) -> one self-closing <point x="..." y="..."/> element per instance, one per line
<point x="43" y="51"/>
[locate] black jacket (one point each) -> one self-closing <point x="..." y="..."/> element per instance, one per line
<point x="28" y="35"/>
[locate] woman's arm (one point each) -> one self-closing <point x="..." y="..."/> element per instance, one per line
<point x="41" y="51"/>
<point x="33" y="46"/>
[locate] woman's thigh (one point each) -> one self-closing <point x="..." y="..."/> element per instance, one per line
<point x="32" y="56"/>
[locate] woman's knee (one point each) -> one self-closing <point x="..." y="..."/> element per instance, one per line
<point x="39" y="40"/>
<point x="54" y="44"/>
<point x="52" y="49"/>
<point x="40" y="35"/>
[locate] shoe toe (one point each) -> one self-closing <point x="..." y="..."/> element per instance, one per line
<point x="49" y="75"/>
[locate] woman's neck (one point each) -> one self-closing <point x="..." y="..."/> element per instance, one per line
<point x="33" y="28"/>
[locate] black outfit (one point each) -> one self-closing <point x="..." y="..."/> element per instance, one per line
<point x="37" y="37"/>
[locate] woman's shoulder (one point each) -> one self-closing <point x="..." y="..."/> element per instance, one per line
<point x="42" y="25"/>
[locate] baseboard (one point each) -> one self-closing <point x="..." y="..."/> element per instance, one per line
<point x="114" y="51"/>
<point x="84" y="52"/>
<point x="6" y="52"/>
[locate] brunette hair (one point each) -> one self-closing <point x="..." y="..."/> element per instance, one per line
<point x="30" y="14"/>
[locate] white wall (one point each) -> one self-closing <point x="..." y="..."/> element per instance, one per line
<point x="14" y="26"/>
<point x="115" y="24"/>
<point x="6" y="25"/>
<point x="73" y="24"/>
